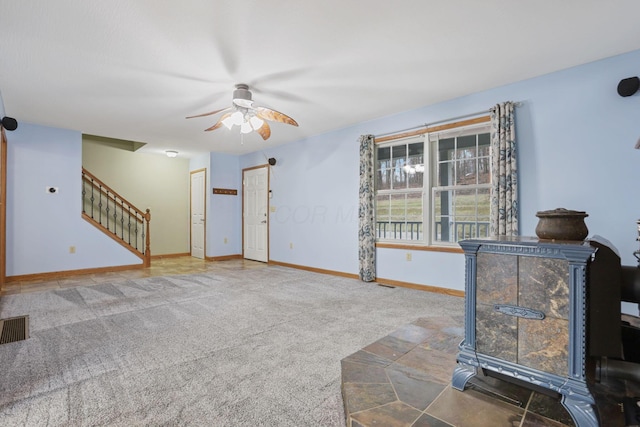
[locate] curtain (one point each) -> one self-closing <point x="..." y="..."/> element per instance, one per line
<point x="504" y="183"/>
<point x="366" y="212"/>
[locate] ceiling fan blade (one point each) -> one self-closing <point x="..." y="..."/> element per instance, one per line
<point x="275" y="116"/>
<point x="210" y="114"/>
<point x="219" y="123"/>
<point x="264" y="131"/>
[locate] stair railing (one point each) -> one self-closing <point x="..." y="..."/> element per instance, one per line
<point x="118" y="218"/>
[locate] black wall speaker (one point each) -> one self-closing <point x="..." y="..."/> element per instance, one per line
<point x="272" y="161"/>
<point x="629" y="86"/>
<point x="9" y="123"/>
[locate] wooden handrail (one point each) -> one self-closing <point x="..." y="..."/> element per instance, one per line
<point x="143" y="218"/>
<point x="110" y="190"/>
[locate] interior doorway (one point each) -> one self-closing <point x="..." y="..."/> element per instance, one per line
<point x="255" y="217"/>
<point x="198" y="213"/>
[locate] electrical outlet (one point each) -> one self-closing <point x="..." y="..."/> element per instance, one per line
<point x="72" y="249"/>
<point x="272" y="208"/>
<point x="291" y="245"/>
<point x="226" y="240"/>
<point x="408" y="256"/>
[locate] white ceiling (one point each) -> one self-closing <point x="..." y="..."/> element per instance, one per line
<point x="134" y="69"/>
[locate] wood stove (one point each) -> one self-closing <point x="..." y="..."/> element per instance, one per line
<point x="535" y="313"/>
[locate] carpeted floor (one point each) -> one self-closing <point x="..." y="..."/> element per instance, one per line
<point x="235" y="347"/>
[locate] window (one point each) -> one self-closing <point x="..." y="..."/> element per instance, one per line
<point x="399" y="190"/>
<point x="434" y="189"/>
<point x="460" y="196"/>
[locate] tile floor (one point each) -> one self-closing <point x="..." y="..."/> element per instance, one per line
<point x="403" y="379"/>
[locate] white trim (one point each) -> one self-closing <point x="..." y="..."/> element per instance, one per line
<point x="430" y="178"/>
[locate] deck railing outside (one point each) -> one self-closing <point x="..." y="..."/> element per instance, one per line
<point x="413" y="230"/>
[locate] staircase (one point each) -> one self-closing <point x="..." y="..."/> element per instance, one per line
<point x="116" y="217"/>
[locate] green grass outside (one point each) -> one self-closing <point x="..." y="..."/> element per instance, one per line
<point x="464" y="208"/>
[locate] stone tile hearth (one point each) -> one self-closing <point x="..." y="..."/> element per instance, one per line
<point x="403" y="379"/>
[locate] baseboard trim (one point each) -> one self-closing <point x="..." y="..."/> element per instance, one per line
<point x="67" y="273"/>
<point x="223" y="257"/>
<point x="427" y="288"/>
<point x="170" y="255"/>
<point x="315" y="270"/>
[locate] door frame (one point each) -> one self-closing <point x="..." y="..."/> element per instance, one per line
<point x="204" y="187"/>
<point x="3" y="207"/>
<point x="268" y="168"/>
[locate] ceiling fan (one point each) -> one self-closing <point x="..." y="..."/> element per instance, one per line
<point x="244" y="114"/>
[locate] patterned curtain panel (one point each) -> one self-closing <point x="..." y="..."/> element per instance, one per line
<point x="504" y="187"/>
<point x="367" y="235"/>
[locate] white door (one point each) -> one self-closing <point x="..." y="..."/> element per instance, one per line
<point x="255" y="223"/>
<point x="198" y="180"/>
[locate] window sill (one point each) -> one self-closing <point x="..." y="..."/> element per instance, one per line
<point x="450" y="249"/>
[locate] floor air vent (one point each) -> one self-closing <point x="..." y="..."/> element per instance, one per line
<point x="14" y="329"/>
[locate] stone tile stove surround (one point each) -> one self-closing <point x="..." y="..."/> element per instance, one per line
<point x="535" y="313"/>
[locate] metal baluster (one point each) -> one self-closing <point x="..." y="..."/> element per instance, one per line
<point x="107" y="211"/>
<point x="121" y="219"/>
<point x="129" y="224"/>
<point x="136" y="230"/>
<point x="143" y="245"/>
<point x="115" y="215"/>
<point x="92" y="198"/>
<point x="84" y="194"/>
<point x="100" y="206"/>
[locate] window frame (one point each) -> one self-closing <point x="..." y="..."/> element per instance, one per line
<point x="429" y="138"/>
<point x="391" y="191"/>
<point x="433" y="140"/>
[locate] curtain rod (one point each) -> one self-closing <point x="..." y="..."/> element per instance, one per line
<point x="451" y="119"/>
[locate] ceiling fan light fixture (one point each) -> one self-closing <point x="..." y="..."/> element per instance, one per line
<point x="237" y="118"/>
<point x="246" y="116"/>
<point x="246" y="127"/>
<point x="256" y="122"/>
<point x="227" y="122"/>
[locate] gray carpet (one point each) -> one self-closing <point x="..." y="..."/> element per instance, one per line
<point x="260" y="346"/>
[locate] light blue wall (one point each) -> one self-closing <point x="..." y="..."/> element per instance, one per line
<point x="224" y="212"/>
<point x="225" y="216"/>
<point x="41" y="226"/>
<point x="575" y="138"/>
<point x="315" y="207"/>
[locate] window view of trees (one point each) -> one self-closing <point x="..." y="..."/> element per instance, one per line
<point x="399" y="181"/>
<point x="456" y="184"/>
<point x="461" y="195"/>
